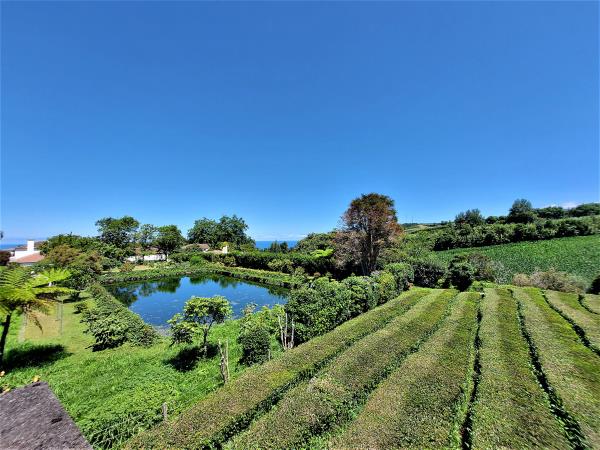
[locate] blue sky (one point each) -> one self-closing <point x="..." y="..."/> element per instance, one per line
<point x="283" y="112"/>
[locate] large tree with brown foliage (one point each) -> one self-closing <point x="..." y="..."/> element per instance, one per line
<point x="368" y="226"/>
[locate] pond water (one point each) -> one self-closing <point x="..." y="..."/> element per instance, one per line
<point x="158" y="301"/>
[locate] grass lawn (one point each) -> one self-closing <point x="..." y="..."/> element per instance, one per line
<point x="112" y="393"/>
<point x="575" y="255"/>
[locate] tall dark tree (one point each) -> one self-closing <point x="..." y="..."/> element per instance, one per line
<point x="118" y="232"/>
<point x="368" y="226"/>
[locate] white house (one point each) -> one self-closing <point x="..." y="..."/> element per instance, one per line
<point x="27" y="255"/>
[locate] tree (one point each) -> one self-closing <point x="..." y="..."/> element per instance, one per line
<point x="22" y="291"/>
<point x="84" y="267"/>
<point x="204" y="231"/>
<point x="461" y="273"/>
<point x="146" y="236"/>
<point x="119" y="232"/>
<point x="169" y="238"/>
<point x="472" y="217"/>
<point x="551" y="212"/>
<point x="315" y="241"/>
<point x="228" y="229"/>
<point x="585" y="209"/>
<point x="4" y="257"/>
<point x="199" y="315"/>
<point x="369" y="225"/>
<point x="521" y="211"/>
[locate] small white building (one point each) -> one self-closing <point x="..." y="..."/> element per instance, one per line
<point x="28" y="254"/>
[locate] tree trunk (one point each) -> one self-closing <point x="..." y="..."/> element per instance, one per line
<point x="3" y="338"/>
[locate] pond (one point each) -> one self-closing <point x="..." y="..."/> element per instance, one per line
<point x="158" y="301"/>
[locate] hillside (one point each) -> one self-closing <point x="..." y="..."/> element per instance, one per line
<point x="431" y="368"/>
<point x="576" y="255"/>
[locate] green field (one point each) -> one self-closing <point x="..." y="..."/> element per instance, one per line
<point x="429" y="369"/>
<point x="576" y="255"/>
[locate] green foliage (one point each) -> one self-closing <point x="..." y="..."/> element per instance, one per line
<point x="318" y="308"/>
<point x="111" y="324"/>
<point x="551" y="212"/>
<point x="81" y="307"/>
<point x="428" y="271"/>
<point x="230" y="229"/>
<point x="277" y="247"/>
<point x="461" y="273"/>
<point x="219" y="416"/>
<point x="471" y="217"/>
<point x="198" y="317"/>
<point x="256" y="343"/>
<point x="315" y="242"/>
<point x="403" y="273"/>
<point x="168" y="239"/>
<point x="281" y="265"/>
<point x="118" y="232"/>
<point x="585" y="209"/>
<point x="110" y="253"/>
<point x="386" y="285"/>
<point x="575" y="255"/>
<point x="468" y="236"/>
<point x="521" y="211"/>
<point x="364" y="292"/>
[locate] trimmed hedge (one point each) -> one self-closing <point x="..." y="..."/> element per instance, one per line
<point x="571" y="370"/>
<point x="327" y="400"/>
<point x="423" y="403"/>
<point x="510" y="409"/>
<point x="112" y="324"/>
<point x="230" y="409"/>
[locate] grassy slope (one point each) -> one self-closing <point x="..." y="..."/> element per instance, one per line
<point x="576" y="255"/>
<point x="112" y="392"/>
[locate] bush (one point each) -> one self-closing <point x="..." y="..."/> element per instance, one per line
<point x="386" y="286"/>
<point x="81" y="307"/>
<point x="364" y="293"/>
<point x="319" y="307"/>
<point x="595" y="286"/>
<point x="551" y="279"/>
<point x="256" y="343"/>
<point x="127" y="266"/>
<point x="403" y="274"/>
<point x="112" y="324"/>
<point x="427" y="271"/>
<point x="461" y="274"/>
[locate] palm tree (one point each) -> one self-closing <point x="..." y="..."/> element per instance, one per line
<point x="26" y="292"/>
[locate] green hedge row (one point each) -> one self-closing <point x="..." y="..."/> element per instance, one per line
<point x="571" y="370"/>
<point x="112" y="324"/>
<point x="484" y="235"/>
<point x="423" y="403"/>
<point x="259" y="276"/>
<point x="260" y="260"/>
<point x="230" y="409"/>
<point x="510" y="409"/>
<point x="328" y="399"/>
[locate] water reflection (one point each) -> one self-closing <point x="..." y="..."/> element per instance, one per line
<point x="157" y="301"/>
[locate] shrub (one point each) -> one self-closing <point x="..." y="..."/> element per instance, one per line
<point x="127" y="266"/>
<point x="403" y="274"/>
<point x="551" y="279"/>
<point x="595" y="286"/>
<point x="427" y="271"/>
<point x="319" y="307"/>
<point x="112" y="324"/>
<point x="281" y="265"/>
<point x="386" y="285"/>
<point x="81" y="307"/>
<point x="4" y="257"/>
<point x="364" y="293"/>
<point x="460" y="274"/>
<point x="256" y="343"/>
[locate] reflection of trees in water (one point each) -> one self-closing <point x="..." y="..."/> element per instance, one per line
<point x="125" y="294"/>
<point x="170" y="285"/>
<point x="147" y="289"/>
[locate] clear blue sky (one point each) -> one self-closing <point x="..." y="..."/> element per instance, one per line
<point x="283" y="112"/>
